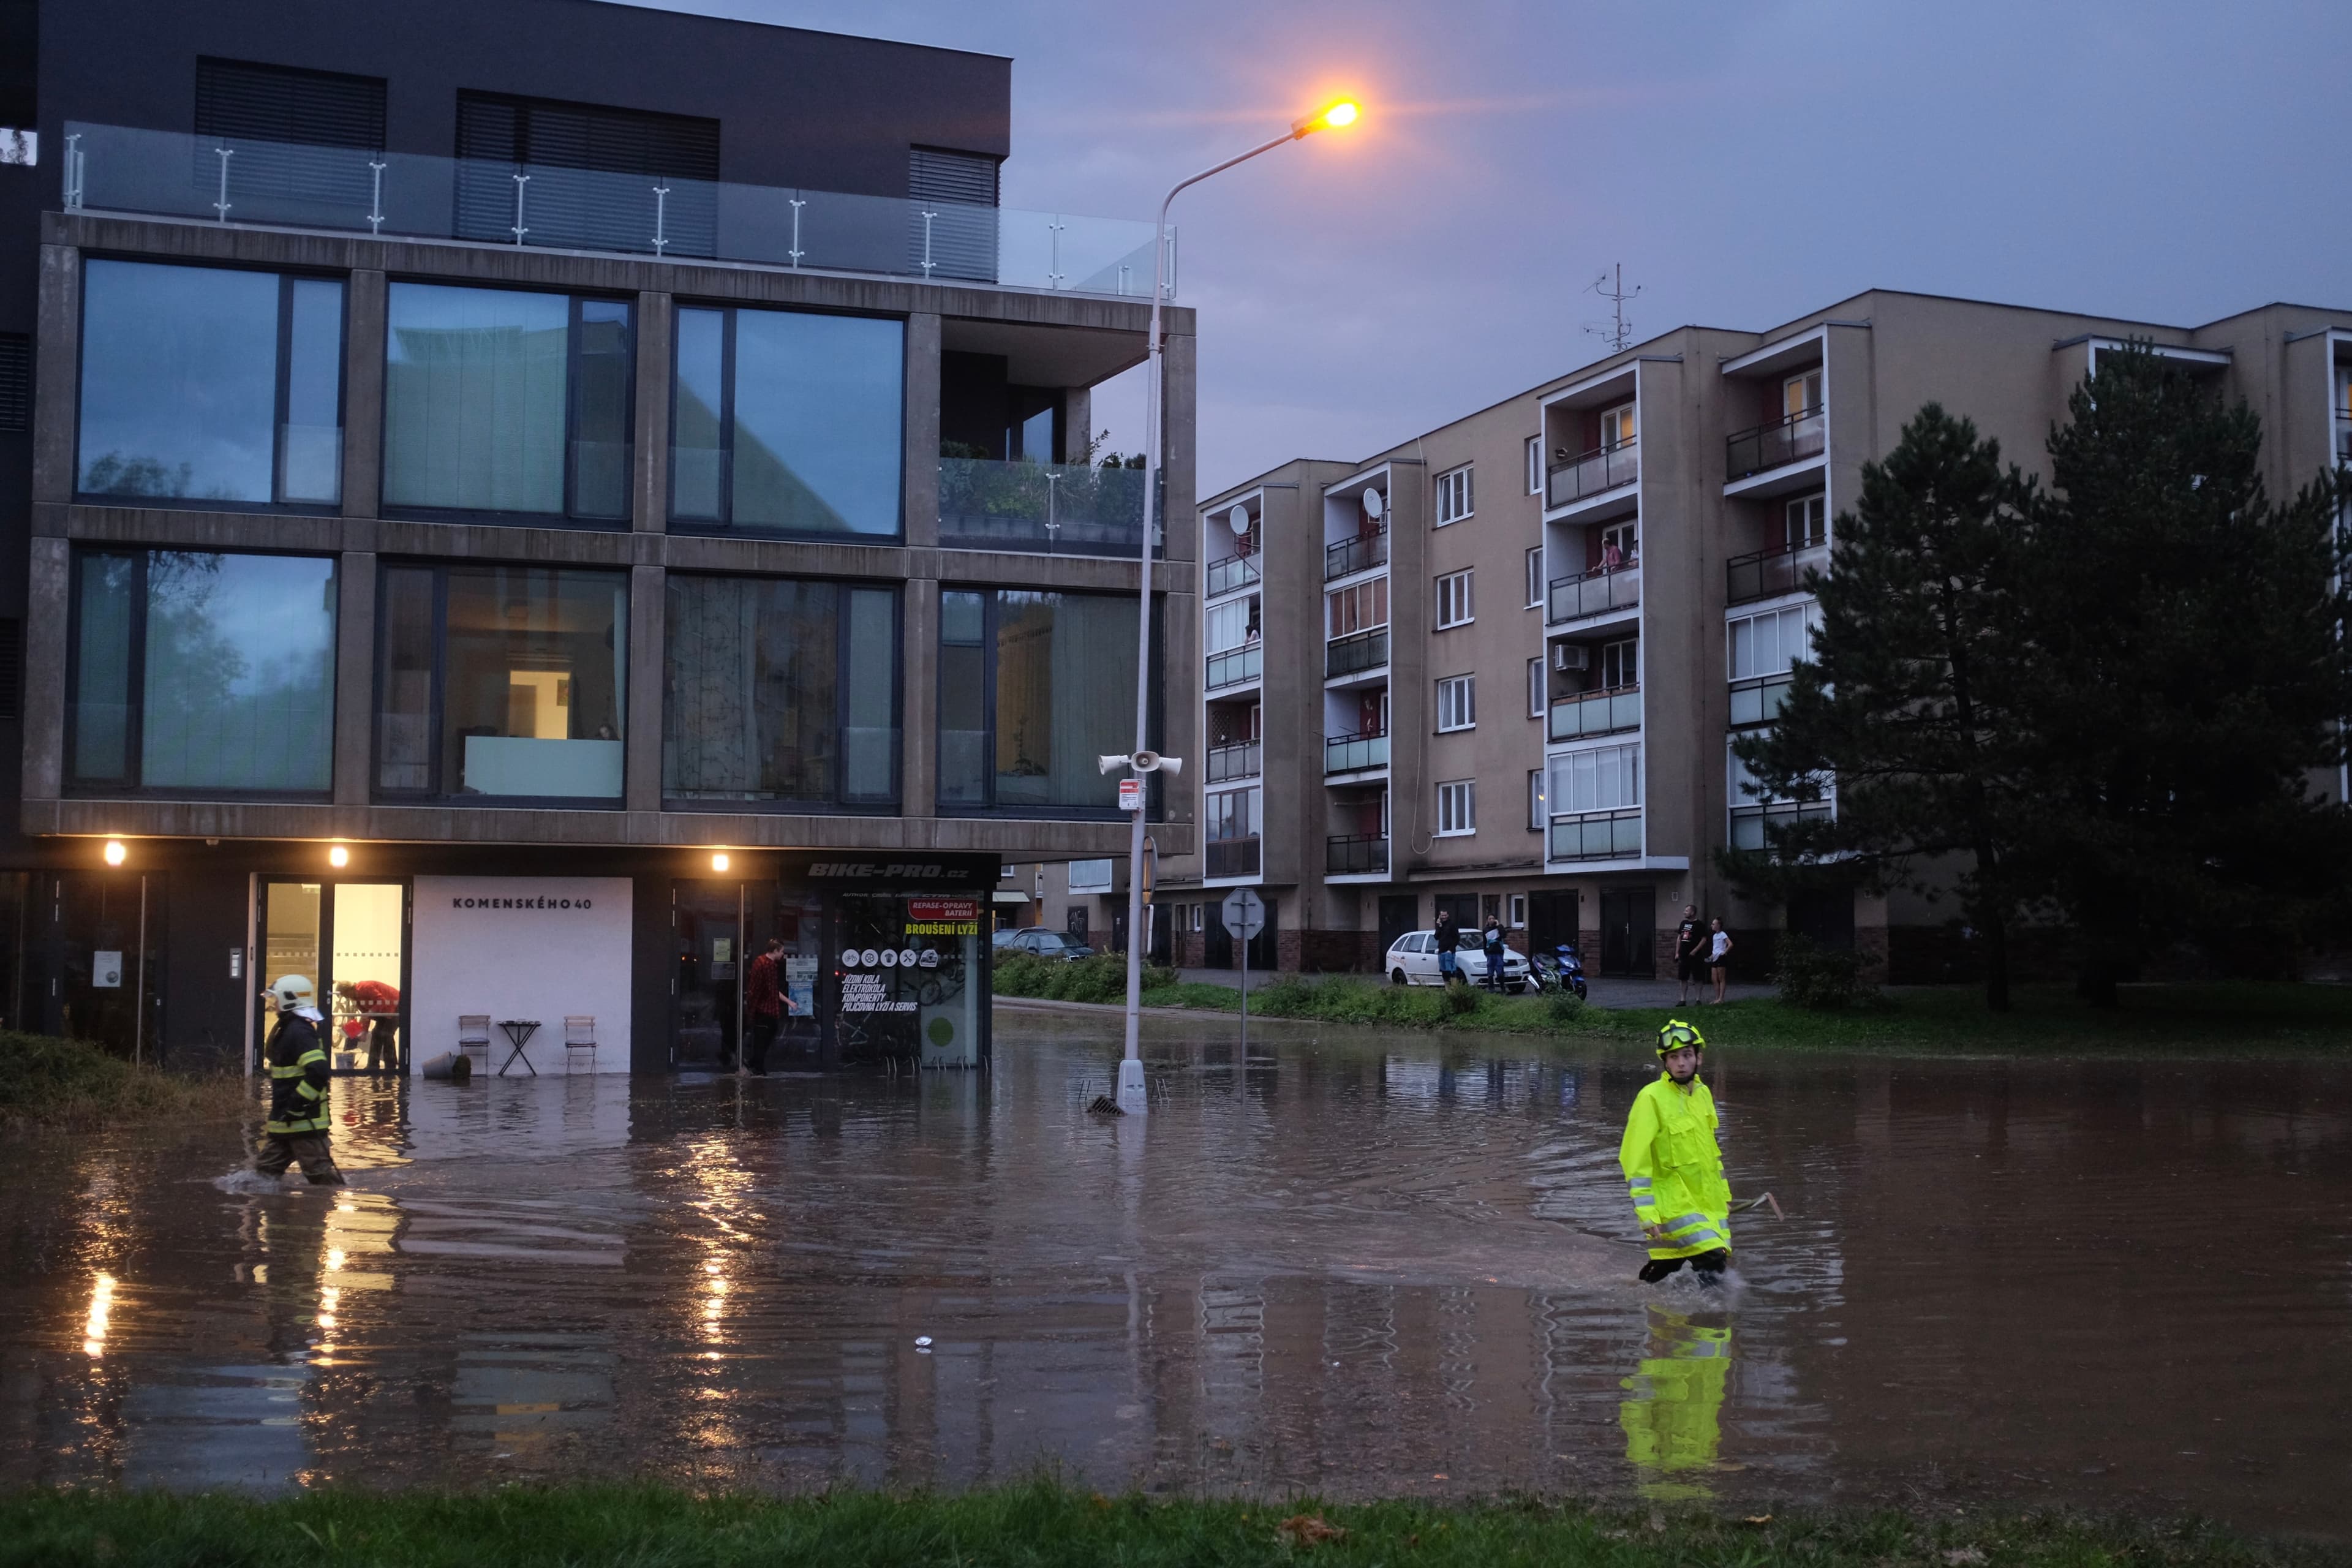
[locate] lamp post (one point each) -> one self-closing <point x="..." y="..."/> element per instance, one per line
<point x="1132" y="1098"/>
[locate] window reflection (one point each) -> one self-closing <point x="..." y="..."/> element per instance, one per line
<point x="1032" y="689"/>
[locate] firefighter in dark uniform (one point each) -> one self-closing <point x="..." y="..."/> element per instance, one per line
<point x="296" y="1128"/>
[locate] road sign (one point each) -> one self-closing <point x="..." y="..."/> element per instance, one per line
<point x="1244" y="913"/>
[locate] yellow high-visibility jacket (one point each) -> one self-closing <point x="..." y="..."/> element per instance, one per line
<point x="1673" y="1422"/>
<point x="1673" y="1169"/>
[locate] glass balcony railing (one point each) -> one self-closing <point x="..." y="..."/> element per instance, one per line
<point x="246" y="180"/>
<point x="1748" y="823"/>
<point x="1233" y="856"/>
<point x="1594" y="594"/>
<point x="1779" y="569"/>
<point x="1747" y="453"/>
<point x="1350" y="556"/>
<point x="1597" y="835"/>
<point x="1597" y="472"/>
<point x="1351" y="753"/>
<point x="1758" y="700"/>
<point x="2344" y="437"/>
<point x="1355" y="652"/>
<point x="1234" y="572"/>
<point x="1596" y="713"/>
<point x="1242" y="760"/>
<point x="1056" y="509"/>
<point x="1235" y="667"/>
<point x="1355" y="855"/>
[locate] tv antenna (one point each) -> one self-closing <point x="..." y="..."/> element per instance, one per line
<point x="1616" y="331"/>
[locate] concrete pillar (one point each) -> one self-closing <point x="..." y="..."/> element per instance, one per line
<point x="921" y="486"/>
<point x="58" y="374"/>
<point x="1179" y="428"/>
<point x="48" y="583"/>
<point x="354" y="675"/>
<point x="918" y="789"/>
<point x="649" y="612"/>
<point x="649" y="504"/>
<point x="364" y="404"/>
<point x="1078" y="424"/>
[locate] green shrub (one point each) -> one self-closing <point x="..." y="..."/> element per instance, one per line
<point x="1822" y="979"/>
<point x="49" y="1081"/>
<point x="1102" y="978"/>
<point x="1561" y="1008"/>
<point x="1461" y="1001"/>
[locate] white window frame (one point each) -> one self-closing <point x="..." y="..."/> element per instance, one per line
<point x="1453" y="495"/>
<point x="1621" y="419"/>
<point x="1815" y="530"/>
<point x="1535" y="578"/>
<point x="1808" y="385"/>
<point x="1231" y="620"/>
<point x="1517" y="906"/>
<point x="1535" y="465"/>
<point x="1621" y="651"/>
<point x="1454" y="605"/>
<point x="1538" y="811"/>
<point x="1538" y="692"/>
<point x="1457" y="700"/>
<point x="1596" y="778"/>
<point x="1100" y="866"/>
<point x="1802" y="619"/>
<point x="1457" y="808"/>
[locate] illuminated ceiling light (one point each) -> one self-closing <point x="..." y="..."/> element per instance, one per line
<point x="719" y="861"/>
<point x="115" y="853"/>
<point x="338" y="856"/>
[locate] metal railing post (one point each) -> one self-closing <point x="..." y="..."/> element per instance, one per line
<point x="222" y="205"/>
<point x="521" y="180"/>
<point x="376" y="196"/>
<point x="795" y="251"/>
<point x="661" y="216"/>
<point x="927" y="217"/>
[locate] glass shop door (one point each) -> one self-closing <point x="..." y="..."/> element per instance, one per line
<point x="350" y="939"/>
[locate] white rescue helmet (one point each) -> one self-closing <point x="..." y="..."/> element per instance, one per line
<point x="293" y="993"/>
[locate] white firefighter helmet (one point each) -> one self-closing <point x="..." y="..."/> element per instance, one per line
<point x="293" y="993"/>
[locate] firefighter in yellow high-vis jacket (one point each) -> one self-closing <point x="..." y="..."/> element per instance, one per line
<point x="1673" y="1169"/>
<point x="296" y="1128"/>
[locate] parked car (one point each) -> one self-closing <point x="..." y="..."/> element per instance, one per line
<point x="1045" y="944"/>
<point x="1412" y="960"/>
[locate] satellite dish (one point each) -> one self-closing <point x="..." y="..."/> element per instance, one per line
<point x="1238" y="519"/>
<point x="1373" y="505"/>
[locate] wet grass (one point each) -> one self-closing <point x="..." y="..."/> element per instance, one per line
<point x="50" y="1082"/>
<point x="1042" y="1524"/>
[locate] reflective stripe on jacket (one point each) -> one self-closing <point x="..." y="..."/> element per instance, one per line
<point x="298" y="1077"/>
<point x="1673" y="1170"/>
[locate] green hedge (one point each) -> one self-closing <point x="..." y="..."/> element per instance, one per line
<point x="1102" y="978"/>
<point x="45" y="1081"/>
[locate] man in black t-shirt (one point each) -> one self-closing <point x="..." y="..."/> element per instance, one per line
<point x="1690" y="952"/>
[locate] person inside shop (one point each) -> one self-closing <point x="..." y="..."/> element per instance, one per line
<point x="372" y="1007"/>
<point x="765" y="1001"/>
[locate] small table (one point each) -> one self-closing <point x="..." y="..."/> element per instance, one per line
<point x="519" y="1031"/>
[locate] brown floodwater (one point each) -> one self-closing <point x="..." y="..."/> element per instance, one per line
<point x="1353" y="1263"/>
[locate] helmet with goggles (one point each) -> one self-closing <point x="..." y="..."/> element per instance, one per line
<point x="1674" y="1035"/>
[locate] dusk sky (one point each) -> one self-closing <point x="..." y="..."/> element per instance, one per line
<point x="2151" y="159"/>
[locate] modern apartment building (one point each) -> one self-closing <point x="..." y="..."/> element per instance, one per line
<point x="1496" y="668"/>
<point x="504" y="507"/>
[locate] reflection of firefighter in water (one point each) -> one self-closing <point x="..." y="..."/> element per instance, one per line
<point x="1674" y="1420"/>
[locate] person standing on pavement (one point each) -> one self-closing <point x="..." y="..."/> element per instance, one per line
<point x="296" y="1128"/>
<point x="1449" y="964"/>
<point x="1674" y="1168"/>
<point x="1493" y="942"/>
<point x="1718" y="957"/>
<point x="1690" y="949"/>
<point x="765" y="1002"/>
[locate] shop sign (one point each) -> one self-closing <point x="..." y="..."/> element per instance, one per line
<point x="870" y="871"/>
<point x="943" y="917"/>
<point x="870" y="992"/>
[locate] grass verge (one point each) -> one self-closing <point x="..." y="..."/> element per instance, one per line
<point x="48" y="1082"/>
<point x="1042" y="1524"/>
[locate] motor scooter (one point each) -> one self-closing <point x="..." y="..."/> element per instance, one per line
<point x="1565" y="971"/>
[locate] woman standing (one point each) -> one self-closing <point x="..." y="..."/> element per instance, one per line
<point x="1718" y="957"/>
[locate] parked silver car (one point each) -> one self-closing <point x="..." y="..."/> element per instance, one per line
<point x="1412" y="960"/>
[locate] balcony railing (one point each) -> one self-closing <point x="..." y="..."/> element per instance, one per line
<point x="1788" y="440"/>
<point x="1594" y="592"/>
<point x="1597" y="472"/>
<point x="2344" y="437"/>
<point x="1749" y="822"/>
<point x="1355" y="652"/>
<point x="1234" y="667"/>
<point x="1596" y="713"/>
<point x="1239" y="761"/>
<point x="1058" y="508"/>
<point x="1360" y="554"/>
<point x="1234" y="572"/>
<point x="246" y="180"/>
<point x="1355" y="855"/>
<point x="1233" y="856"/>
<point x="1779" y="569"/>
<point x="1352" y="754"/>
<point x="1597" y="835"/>
<point x="1758" y="701"/>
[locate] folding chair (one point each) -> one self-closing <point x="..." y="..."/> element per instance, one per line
<point x="579" y="1035"/>
<point x="474" y="1036"/>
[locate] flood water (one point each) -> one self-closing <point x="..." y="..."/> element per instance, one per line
<point x="1354" y="1263"/>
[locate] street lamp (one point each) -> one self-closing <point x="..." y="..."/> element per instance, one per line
<point x="1332" y="116"/>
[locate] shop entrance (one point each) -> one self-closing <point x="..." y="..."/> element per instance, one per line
<point x="721" y="929"/>
<point x="350" y="939"/>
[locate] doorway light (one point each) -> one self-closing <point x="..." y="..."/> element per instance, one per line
<point x="115" y="852"/>
<point x="719" y="861"/>
<point x="338" y="856"/>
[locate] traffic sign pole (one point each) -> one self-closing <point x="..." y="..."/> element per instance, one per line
<point x="1243" y="913"/>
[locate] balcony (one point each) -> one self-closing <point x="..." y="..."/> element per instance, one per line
<point x="1233" y="856"/>
<point x="1054" y="509"/>
<point x="1234" y="668"/>
<point x="1356" y="855"/>
<point x="1748" y="823"/>
<point x="1350" y="556"/>
<point x="1599" y="471"/>
<point x="1747" y="453"/>
<point x="1353" y="753"/>
<point x="1595" y="714"/>
<point x="1758" y="701"/>
<point x="246" y="180"/>
<point x="2344" y="437"/>
<point x="1767" y="572"/>
<point x="1597" y="835"/>
<point x="1355" y="653"/>
<point x="1233" y="573"/>
<point x="1242" y="760"/>
<point x="1594" y="592"/>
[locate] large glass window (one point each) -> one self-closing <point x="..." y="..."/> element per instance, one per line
<point x="1604" y="778"/>
<point x="1033" y="688"/>
<point x="206" y="384"/>
<point x="788" y="422"/>
<point x="501" y="680"/>
<point x="202" y="672"/>
<point x="780" y="690"/>
<point x="500" y="401"/>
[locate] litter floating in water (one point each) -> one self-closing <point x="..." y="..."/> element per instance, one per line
<point x="923" y="1342"/>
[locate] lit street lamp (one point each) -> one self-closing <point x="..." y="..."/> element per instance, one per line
<point x="1130" y="1068"/>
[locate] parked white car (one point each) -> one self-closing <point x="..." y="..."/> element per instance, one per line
<point x="1412" y="960"/>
